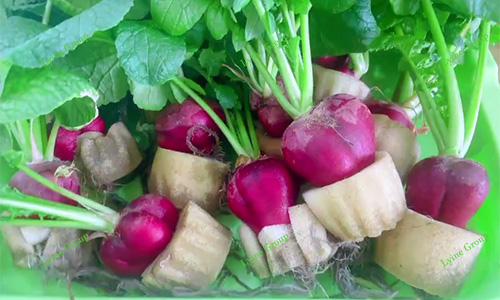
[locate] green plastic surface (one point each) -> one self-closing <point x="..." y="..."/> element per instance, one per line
<point x="484" y="282"/>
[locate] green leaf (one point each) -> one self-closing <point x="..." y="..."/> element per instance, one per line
<point x="4" y="71"/>
<point x="238" y="37"/>
<point x="17" y="30"/>
<point x="139" y="10"/>
<point x="216" y="20"/>
<point x="227" y="3"/>
<point x="149" y="97"/>
<point x="357" y="26"/>
<point x="226" y="96"/>
<point x="74" y="7"/>
<point x="495" y="34"/>
<point x="212" y="61"/>
<point x="22" y="4"/>
<point x="149" y="56"/>
<point x="238" y="5"/>
<point x="98" y="62"/>
<point x="195" y="37"/>
<point x="30" y="93"/>
<point x="67" y="34"/>
<point x="300" y="6"/>
<point x="77" y="112"/>
<point x="254" y="27"/>
<point x="193" y="85"/>
<point x="176" y="17"/>
<point x="405" y="7"/>
<point x="6" y="142"/>
<point x="486" y="9"/>
<point x="333" y="6"/>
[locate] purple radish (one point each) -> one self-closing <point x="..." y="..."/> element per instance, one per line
<point x="447" y="188"/>
<point x="335" y="140"/>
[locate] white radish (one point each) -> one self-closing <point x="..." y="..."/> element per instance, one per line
<point x="418" y="249"/>
<point x="362" y="205"/>
<point x="183" y="177"/>
<point x="329" y="82"/>
<point x="252" y="247"/>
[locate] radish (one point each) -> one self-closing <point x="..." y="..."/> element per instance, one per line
<point x="396" y="134"/>
<point x="271" y="115"/>
<point x="337" y="63"/>
<point x="260" y="192"/>
<point x="183" y="177"/>
<point x="66" y="140"/>
<point x="48" y="170"/>
<point x="447" y="188"/>
<point x="145" y="228"/>
<point x="330" y="82"/>
<point x="269" y="145"/>
<point x="195" y="256"/>
<point x="184" y="127"/>
<point x="340" y="131"/>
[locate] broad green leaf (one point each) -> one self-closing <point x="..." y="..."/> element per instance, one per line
<point x="226" y="96"/>
<point x="102" y="16"/>
<point x="22" y="4"/>
<point x="139" y="10"/>
<point x="254" y="27"/>
<point x="149" y="97"/>
<point x="238" y="37"/>
<point x="6" y="142"/>
<point x="495" y="34"/>
<point x="4" y="71"/>
<point x="74" y="7"/>
<point x="17" y="30"/>
<point x="300" y="6"/>
<point x="227" y="3"/>
<point x="216" y="20"/>
<point x="405" y="7"/>
<point x="350" y="31"/>
<point x="176" y="17"/>
<point x="212" y="61"/>
<point x="148" y="55"/>
<point x="486" y="9"/>
<point x="333" y="6"/>
<point x="77" y="112"/>
<point x="238" y="5"/>
<point x="30" y="93"/>
<point x="195" y="37"/>
<point x="98" y="62"/>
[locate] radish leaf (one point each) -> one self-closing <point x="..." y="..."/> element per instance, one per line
<point x="78" y="112"/>
<point x="216" y="17"/>
<point x="102" y="16"/>
<point x="30" y="93"/>
<point x="333" y="6"/>
<point x="6" y="142"/>
<point x="148" y="55"/>
<point x="486" y="9"/>
<point x="98" y="62"/>
<point x="149" y="97"/>
<point x="74" y="7"/>
<point x="176" y="17"/>
<point x="405" y="7"/>
<point x="238" y="5"/>
<point x="357" y="25"/>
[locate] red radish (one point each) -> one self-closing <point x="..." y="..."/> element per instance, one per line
<point x="66" y="140"/>
<point x="335" y="140"/>
<point x="255" y="101"/>
<point x="145" y="228"/>
<point x="447" y="188"/>
<point x="272" y="116"/>
<point x="337" y="63"/>
<point x="391" y="110"/>
<point x="261" y="191"/>
<point x="29" y="186"/>
<point x="175" y="122"/>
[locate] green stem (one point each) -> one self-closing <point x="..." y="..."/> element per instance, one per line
<point x="244" y="138"/>
<point x="404" y="89"/>
<point x="455" y="137"/>
<point x="251" y="71"/>
<point x="475" y="101"/>
<point x="292" y="31"/>
<point x="227" y="133"/>
<point x="306" y="74"/>
<point x="46" y="13"/>
<point x="86" y="219"/>
<point x="361" y="62"/>
<point x="49" y="152"/>
<point x="425" y="99"/>
<point x="277" y="92"/>
<point x="280" y="58"/>
<point x="251" y="130"/>
<point x="40" y="133"/>
<point x="24" y="129"/>
<point x="80" y="199"/>
<point x="36" y="143"/>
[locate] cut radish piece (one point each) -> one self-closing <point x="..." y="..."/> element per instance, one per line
<point x="183" y="177"/>
<point x="67" y="249"/>
<point x="282" y="251"/>
<point x="253" y="251"/>
<point x="23" y="253"/>
<point x="362" y="205"/>
<point x="316" y="244"/>
<point x="35" y="235"/>
<point x="399" y="141"/>
<point x="196" y="254"/>
<point x="330" y="82"/>
<point x="418" y="249"/>
<point x="269" y="145"/>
